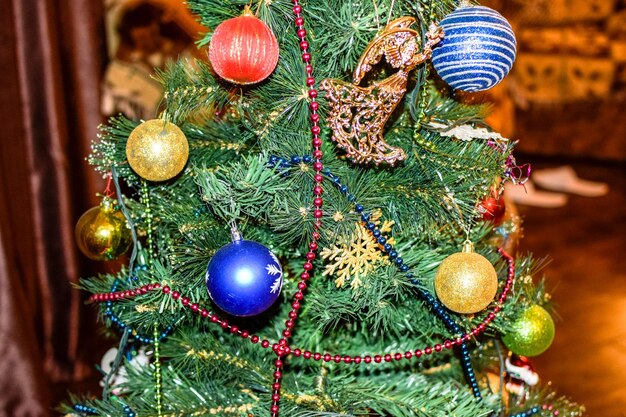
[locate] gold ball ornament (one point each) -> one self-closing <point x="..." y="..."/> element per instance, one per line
<point x="532" y="334"/>
<point x="102" y="233"/>
<point x="157" y="150"/>
<point x="466" y="282"/>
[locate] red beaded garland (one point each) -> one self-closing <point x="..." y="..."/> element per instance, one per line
<point x="282" y="348"/>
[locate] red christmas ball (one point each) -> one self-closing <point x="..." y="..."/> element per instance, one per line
<point x="492" y="209"/>
<point x="243" y="49"/>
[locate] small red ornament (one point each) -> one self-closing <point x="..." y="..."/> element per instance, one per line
<point x="492" y="209"/>
<point x="243" y="49"/>
<point x="520" y="375"/>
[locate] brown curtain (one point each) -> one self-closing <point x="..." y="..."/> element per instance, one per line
<point x="52" y="55"/>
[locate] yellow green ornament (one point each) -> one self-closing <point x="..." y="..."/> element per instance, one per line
<point x="532" y="334"/>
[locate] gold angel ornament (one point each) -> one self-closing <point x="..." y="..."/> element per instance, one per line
<point x="358" y="114"/>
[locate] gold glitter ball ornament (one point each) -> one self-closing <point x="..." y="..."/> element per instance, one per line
<point x="532" y="334"/>
<point x="102" y="233"/>
<point x="466" y="282"/>
<point x="157" y="150"/>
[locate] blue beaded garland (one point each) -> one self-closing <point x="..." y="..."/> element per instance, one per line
<point x="527" y="413"/>
<point x="477" y="51"/>
<point x="430" y="300"/>
<point x="134" y="333"/>
<point x="244" y="278"/>
<point x="84" y="409"/>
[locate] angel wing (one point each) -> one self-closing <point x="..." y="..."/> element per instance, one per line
<point x="398" y="42"/>
<point x="358" y="114"/>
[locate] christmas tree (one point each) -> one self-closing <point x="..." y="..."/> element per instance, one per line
<point x="316" y="224"/>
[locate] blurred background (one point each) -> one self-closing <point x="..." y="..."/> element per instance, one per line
<point x="68" y="65"/>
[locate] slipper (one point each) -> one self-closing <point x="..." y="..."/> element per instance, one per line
<point x="565" y="179"/>
<point x="527" y="195"/>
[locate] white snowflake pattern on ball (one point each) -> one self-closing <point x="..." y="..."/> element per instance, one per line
<point x="273" y="269"/>
<point x="278" y="282"/>
<point x="274" y="257"/>
<point x="276" y="286"/>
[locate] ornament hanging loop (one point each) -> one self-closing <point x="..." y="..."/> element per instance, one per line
<point x="108" y="192"/>
<point x="235" y="233"/>
<point x="247" y="10"/>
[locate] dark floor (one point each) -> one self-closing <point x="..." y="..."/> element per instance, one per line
<point x="586" y="241"/>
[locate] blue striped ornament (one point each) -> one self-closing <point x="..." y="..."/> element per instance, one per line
<point x="477" y="51"/>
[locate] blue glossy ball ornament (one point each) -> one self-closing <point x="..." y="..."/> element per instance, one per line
<point x="477" y="51"/>
<point x="244" y="278"/>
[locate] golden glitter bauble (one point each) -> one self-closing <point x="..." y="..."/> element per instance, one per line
<point x="466" y="282"/>
<point x="532" y="334"/>
<point x="102" y="233"/>
<point x="157" y="150"/>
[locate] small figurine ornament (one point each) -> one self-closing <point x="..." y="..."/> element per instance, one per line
<point x="520" y="375"/>
<point x="358" y="114"/>
<point x="134" y="358"/>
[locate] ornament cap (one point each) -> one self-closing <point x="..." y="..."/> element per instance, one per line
<point x="106" y="204"/>
<point x="468" y="246"/>
<point x="247" y="11"/>
<point x="235" y="234"/>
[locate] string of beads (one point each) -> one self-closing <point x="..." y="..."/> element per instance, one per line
<point x="157" y="373"/>
<point x="86" y="410"/>
<point x="316" y="143"/>
<point x="134" y="333"/>
<point x="283" y="349"/>
<point x="392" y="254"/>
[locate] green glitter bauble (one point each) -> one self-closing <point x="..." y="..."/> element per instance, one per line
<point x="532" y="332"/>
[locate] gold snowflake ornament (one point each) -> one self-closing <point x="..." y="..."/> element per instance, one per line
<point x="350" y="260"/>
